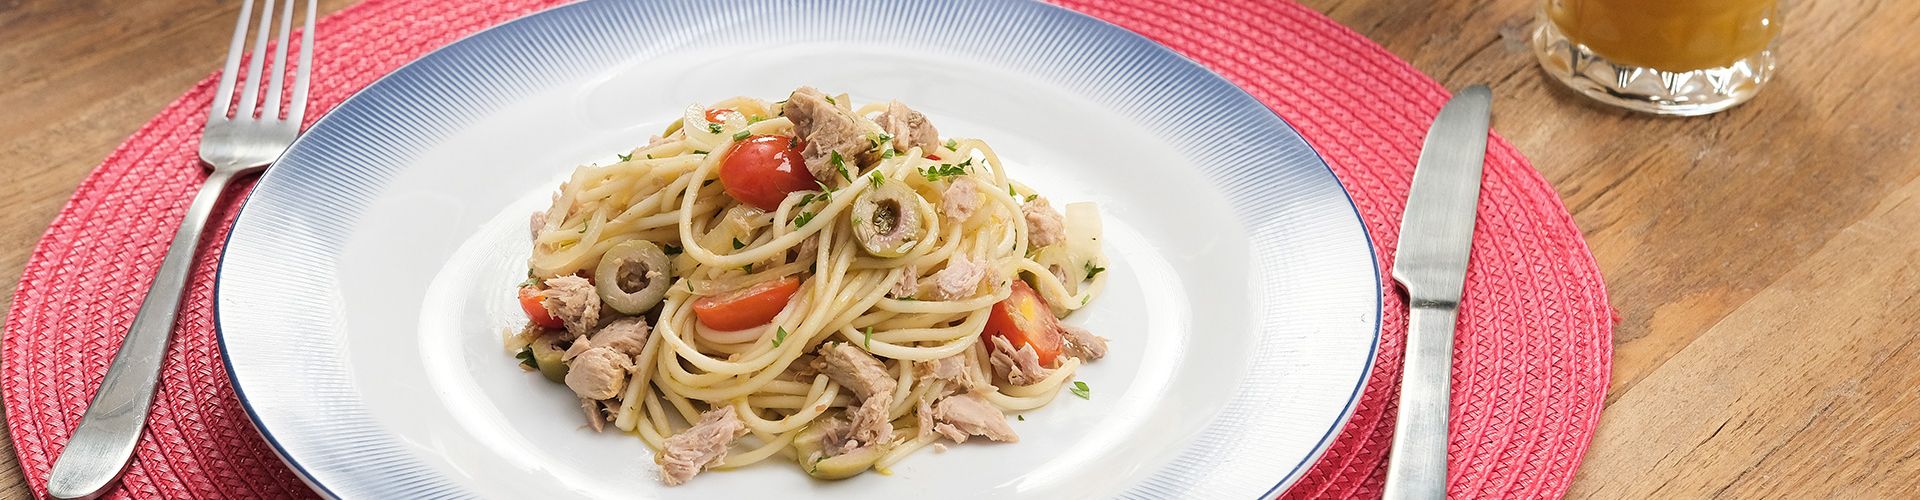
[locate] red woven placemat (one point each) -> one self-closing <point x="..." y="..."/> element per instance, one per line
<point x="1531" y="362"/>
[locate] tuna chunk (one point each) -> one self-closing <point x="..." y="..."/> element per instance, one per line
<point x="961" y="416"/>
<point x="537" y="223"/>
<point x="598" y="373"/>
<point x="960" y="200"/>
<point x="1084" y="344"/>
<point x="595" y="418"/>
<point x="923" y="415"/>
<point x="700" y="447"/>
<point x="626" y="335"/>
<point x="857" y="370"/>
<point x="574" y="301"/>
<point x="909" y="128"/>
<point x="827" y="128"/>
<point x="1045" y="226"/>
<point x="801" y="369"/>
<point x="954" y="370"/>
<point x="909" y="283"/>
<point x="870" y="422"/>
<point x="960" y="279"/>
<point x="951" y="368"/>
<point x="1016" y="366"/>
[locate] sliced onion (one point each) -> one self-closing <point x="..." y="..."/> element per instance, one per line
<point x="1083" y="242"/>
<point x="633" y="261"/>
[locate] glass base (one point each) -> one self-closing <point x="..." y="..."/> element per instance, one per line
<point x="1689" y="93"/>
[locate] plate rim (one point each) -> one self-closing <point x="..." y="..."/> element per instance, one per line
<point x="1291" y="477"/>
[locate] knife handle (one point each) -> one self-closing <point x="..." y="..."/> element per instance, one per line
<point x="1417" y="464"/>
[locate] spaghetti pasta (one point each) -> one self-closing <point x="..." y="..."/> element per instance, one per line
<point x="809" y="280"/>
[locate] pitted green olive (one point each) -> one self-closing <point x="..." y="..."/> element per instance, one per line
<point x="811" y="447"/>
<point x="633" y="276"/>
<point x="886" y="220"/>
<point x="548" y="358"/>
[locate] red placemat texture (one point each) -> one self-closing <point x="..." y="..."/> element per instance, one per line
<point x="1530" y="367"/>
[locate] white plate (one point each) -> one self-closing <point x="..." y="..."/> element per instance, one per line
<point x="366" y="287"/>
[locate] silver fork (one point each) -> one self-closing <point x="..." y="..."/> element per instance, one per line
<point x="230" y="147"/>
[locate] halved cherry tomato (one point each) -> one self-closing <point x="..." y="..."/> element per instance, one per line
<point x="1024" y="319"/>
<point x="746" y="308"/>
<point x="719" y="115"/>
<point x="530" y="302"/>
<point x="762" y="169"/>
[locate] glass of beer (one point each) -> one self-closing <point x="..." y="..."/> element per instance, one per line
<point x="1670" y="57"/>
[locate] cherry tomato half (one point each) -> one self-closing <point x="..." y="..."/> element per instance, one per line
<point x="1024" y="319"/>
<point x="762" y="169"/>
<point x="746" y="308"/>
<point x="530" y="302"/>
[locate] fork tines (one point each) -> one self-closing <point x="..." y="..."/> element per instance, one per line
<point x="297" y="107"/>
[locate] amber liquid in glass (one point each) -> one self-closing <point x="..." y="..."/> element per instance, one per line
<point x="1669" y="35"/>
<point x="1667" y="57"/>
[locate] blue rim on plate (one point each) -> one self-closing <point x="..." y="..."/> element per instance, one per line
<point x="1278" y="186"/>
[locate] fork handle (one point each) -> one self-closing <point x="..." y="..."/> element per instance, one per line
<point x="1417" y="464"/>
<point x="100" y="448"/>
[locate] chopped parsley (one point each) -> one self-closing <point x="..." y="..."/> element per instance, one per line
<point x="713" y="127"/>
<point x="689" y="285"/>
<point x="699" y="151"/>
<point x="780" y="336"/>
<point x="889" y="153"/>
<point x="826" y="192"/>
<point x="1011" y="192"/>
<point x="670" y="249"/>
<point x="806" y="199"/>
<point x="738" y="245"/>
<point x="1093" y="270"/>
<point x="840" y="164"/>
<point x="1031" y="197"/>
<point x="755" y="119"/>
<point x="741" y="136"/>
<point x="649" y="156"/>
<point x="625" y="157"/>
<point x="1022" y="418"/>
<point x="869" y="338"/>
<point x="531" y="281"/>
<point x="943" y="170"/>
<point x="526" y="358"/>
<point x="1079" y="389"/>
<point x="876" y="178"/>
<point x="802" y="219"/>
<point x="879" y="138"/>
<point x="829" y="99"/>
<point x="748" y="267"/>
<point x="953" y="145"/>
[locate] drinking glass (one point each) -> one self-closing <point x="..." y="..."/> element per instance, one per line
<point x="1670" y="57"/>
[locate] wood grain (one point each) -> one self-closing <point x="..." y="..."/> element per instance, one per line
<point x="1763" y="260"/>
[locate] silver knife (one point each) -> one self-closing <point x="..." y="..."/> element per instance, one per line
<point x="1436" y="233"/>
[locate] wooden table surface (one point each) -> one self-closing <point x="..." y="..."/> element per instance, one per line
<point x="1765" y="261"/>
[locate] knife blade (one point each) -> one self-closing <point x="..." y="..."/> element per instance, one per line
<point x="1436" y="235"/>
